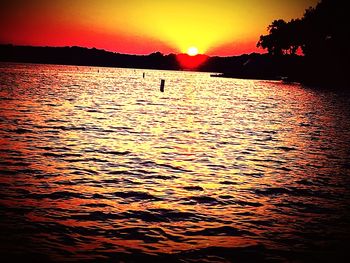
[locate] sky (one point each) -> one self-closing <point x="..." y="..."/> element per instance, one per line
<point x="220" y="27"/>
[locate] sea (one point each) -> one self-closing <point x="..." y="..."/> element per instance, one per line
<point x="98" y="165"/>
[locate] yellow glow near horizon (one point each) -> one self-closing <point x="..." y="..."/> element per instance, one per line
<point x="183" y="24"/>
<point x="192" y="51"/>
<point x="158" y="24"/>
<point x="204" y="24"/>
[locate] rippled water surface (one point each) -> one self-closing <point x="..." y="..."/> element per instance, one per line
<point x="98" y="164"/>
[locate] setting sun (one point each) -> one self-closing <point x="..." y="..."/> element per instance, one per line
<point x="142" y="27"/>
<point x="174" y="130"/>
<point x="192" y="51"/>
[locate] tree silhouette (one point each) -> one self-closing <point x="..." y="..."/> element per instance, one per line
<point x="321" y="29"/>
<point x="322" y="34"/>
<point x="283" y="38"/>
<point x="274" y="41"/>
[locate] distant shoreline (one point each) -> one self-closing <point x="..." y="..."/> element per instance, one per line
<point x="288" y="68"/>
<point x="80" y="56"/>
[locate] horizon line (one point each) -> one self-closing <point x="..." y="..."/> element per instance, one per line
<point x="131" y="54"/>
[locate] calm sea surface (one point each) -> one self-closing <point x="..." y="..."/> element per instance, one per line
<point x="97" y="164"/>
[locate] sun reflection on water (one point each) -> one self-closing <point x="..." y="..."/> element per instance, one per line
<point x="101" y="162"/>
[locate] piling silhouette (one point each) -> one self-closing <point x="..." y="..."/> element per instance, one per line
<point x="162" y="84"/>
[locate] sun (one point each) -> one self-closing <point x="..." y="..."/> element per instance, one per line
<point x="192" y="51"/>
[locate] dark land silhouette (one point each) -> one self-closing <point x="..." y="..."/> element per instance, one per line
<point x="311" y="50"/>
<point x="322" y="35"/>
<point x="254" y="65"/>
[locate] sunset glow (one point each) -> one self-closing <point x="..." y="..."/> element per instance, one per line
<point x="174" y="131"/>
<point x="192" y="51"/>
<point x="188" y="61"/>
<point x="141" y="27"/>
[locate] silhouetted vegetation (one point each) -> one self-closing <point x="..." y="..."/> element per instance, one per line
<point x="322" y="35"/>
<point x="85" y="57"/>
<point x="245" y="66"/>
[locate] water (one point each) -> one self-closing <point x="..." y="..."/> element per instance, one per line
<point x="98" y="164"/>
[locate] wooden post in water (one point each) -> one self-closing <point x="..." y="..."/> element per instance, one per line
<point x="162" y="83"/>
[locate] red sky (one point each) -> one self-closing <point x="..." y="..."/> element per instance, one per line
<point x="221" y="27"/>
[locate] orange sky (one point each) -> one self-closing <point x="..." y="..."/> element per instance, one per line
<point x="221" y="27"/>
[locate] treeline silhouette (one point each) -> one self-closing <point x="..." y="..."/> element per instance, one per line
<point x="322" y="35"/>
<point x="85" y="57"/>
<point x="261" y="66"/>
